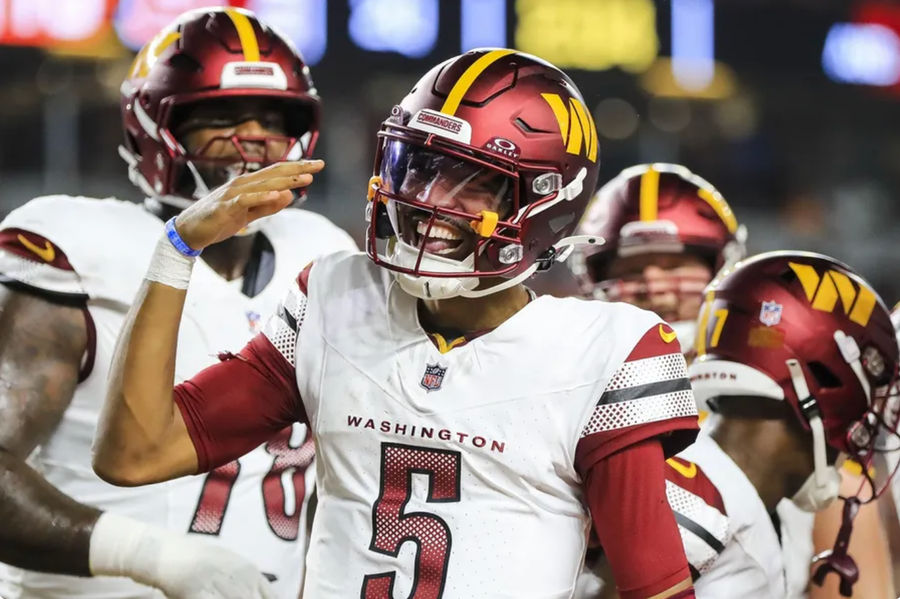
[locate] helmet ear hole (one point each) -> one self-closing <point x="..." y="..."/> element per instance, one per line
<point x="185" y="62"/>
<point x="823" y="375"/>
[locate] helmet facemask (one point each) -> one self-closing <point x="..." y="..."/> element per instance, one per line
<point x="201" y="163"/>
<point x="450" y="217"/>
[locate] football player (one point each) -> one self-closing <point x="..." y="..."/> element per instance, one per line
<point x="796" y="357"/>
<point x="462" y="425"/>
<point x="666" y="232"/>
<point x="215" y="94"/>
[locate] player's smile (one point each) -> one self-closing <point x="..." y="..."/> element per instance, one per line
<point x="443" y="238"/>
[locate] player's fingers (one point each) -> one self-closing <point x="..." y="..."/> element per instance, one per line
<point x="270" y="207"/>
<point x="280" y="169"/>
<point x="275" y="183"/>
<point x="250" y="200"/>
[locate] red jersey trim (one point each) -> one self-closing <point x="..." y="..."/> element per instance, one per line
<point x="675" y="434"/>
<point x="303" y="279"/>
<point x="690" y="477"/>
<point x="34" y="247"/>
<point x="658" y="341"/>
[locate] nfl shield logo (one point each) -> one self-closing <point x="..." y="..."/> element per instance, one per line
<point x="770" y="313"/>
<point x="433" y="377"/>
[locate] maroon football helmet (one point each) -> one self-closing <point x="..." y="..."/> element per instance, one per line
<point x="482" y="171"/>
<point x="804" y="328"/>
<point x="655" y="208"/>
<point x="207" y="56"/>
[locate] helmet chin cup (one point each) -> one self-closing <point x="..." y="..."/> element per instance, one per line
<point x="405" y="255"/>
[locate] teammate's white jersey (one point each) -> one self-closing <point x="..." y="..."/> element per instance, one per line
<point x="729" y="538"/>
<point x="452" y="474"/>
<point x="797" y="547"/>
<point x="256" y="506"/>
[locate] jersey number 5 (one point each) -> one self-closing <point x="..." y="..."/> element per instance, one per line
<point x="284" y="522"/>
<point x="391" y="527"/>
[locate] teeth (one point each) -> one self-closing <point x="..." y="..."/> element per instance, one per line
<point x="438" y="231"/>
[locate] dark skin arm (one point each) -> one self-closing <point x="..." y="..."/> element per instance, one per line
<point x="42" y="529"/>
<point x="41" y="347"/>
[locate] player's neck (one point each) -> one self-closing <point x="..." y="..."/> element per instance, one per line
<point x="473" y="314"/>
<point x="229" y="258"/>
<point x="761" y="449"/>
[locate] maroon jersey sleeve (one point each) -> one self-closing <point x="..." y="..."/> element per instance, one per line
<point x="626" y="493"/>
<point x="247" y="398"/>
<point x="649" y="396"/>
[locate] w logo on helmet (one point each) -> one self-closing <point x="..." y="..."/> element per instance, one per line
<point x="857" y="300"/>
<point x="576" y="125"/>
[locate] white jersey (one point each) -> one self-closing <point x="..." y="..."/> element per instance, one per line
<point x="729" y="538"/>
<point x="449" y="471"/>
<point x="254" y="506"/>
<point x="798" y="550"/>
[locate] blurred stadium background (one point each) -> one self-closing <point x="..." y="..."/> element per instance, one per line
<point x="790" y="107"/>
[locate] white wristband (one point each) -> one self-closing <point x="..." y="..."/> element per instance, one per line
<point x="182" y="566"/>
<point x="169" y="266"/>
<point x="117" y="549"/>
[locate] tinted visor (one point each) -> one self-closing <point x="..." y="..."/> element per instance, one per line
<point x="436" y="202"/>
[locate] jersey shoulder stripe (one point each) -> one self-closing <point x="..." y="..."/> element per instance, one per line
<point x="704" y="529"/>
<point x="650" y="385"/>
<point x="36" y="263"/>
<point x="691" y="477"/>
<point x="283" y="327"/>
<point x="699" y="511"/>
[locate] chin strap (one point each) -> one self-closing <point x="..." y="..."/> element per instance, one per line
<point x="837" y="559"/>
<point x="810" y="409"/>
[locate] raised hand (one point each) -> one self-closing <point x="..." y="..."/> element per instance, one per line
<point x="244" y="199"/>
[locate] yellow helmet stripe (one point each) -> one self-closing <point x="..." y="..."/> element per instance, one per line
<point x="584" y="125"/>
<point x="560" y="112"/>
<point x="244" y="27"/>
<point x="592" y="150"/>
<point x="649" y="199"/>
<point x="808" y="276"/>
<point x="865" y="303"/>
<point x="718" y="203"/>
<point x="150" y="53"/>
<point x="700" y="342"/>
<point x="462" y="85"/>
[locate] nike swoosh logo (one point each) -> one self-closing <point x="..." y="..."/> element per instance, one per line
<point x="667" y="337"/>
<point x="46" y="253"/>
<point x="689" y="471"/>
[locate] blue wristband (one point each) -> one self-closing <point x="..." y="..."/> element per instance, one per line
<point x="178" y="242"/>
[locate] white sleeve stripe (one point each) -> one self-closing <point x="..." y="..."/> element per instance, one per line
<point x="703" y="528"/>
<point x="648" y="370"/>
<point x="700" y="555"/>
<point x="706" y="536"/>
<point x="283" y="328"/>
<point x="622" y="414"/>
